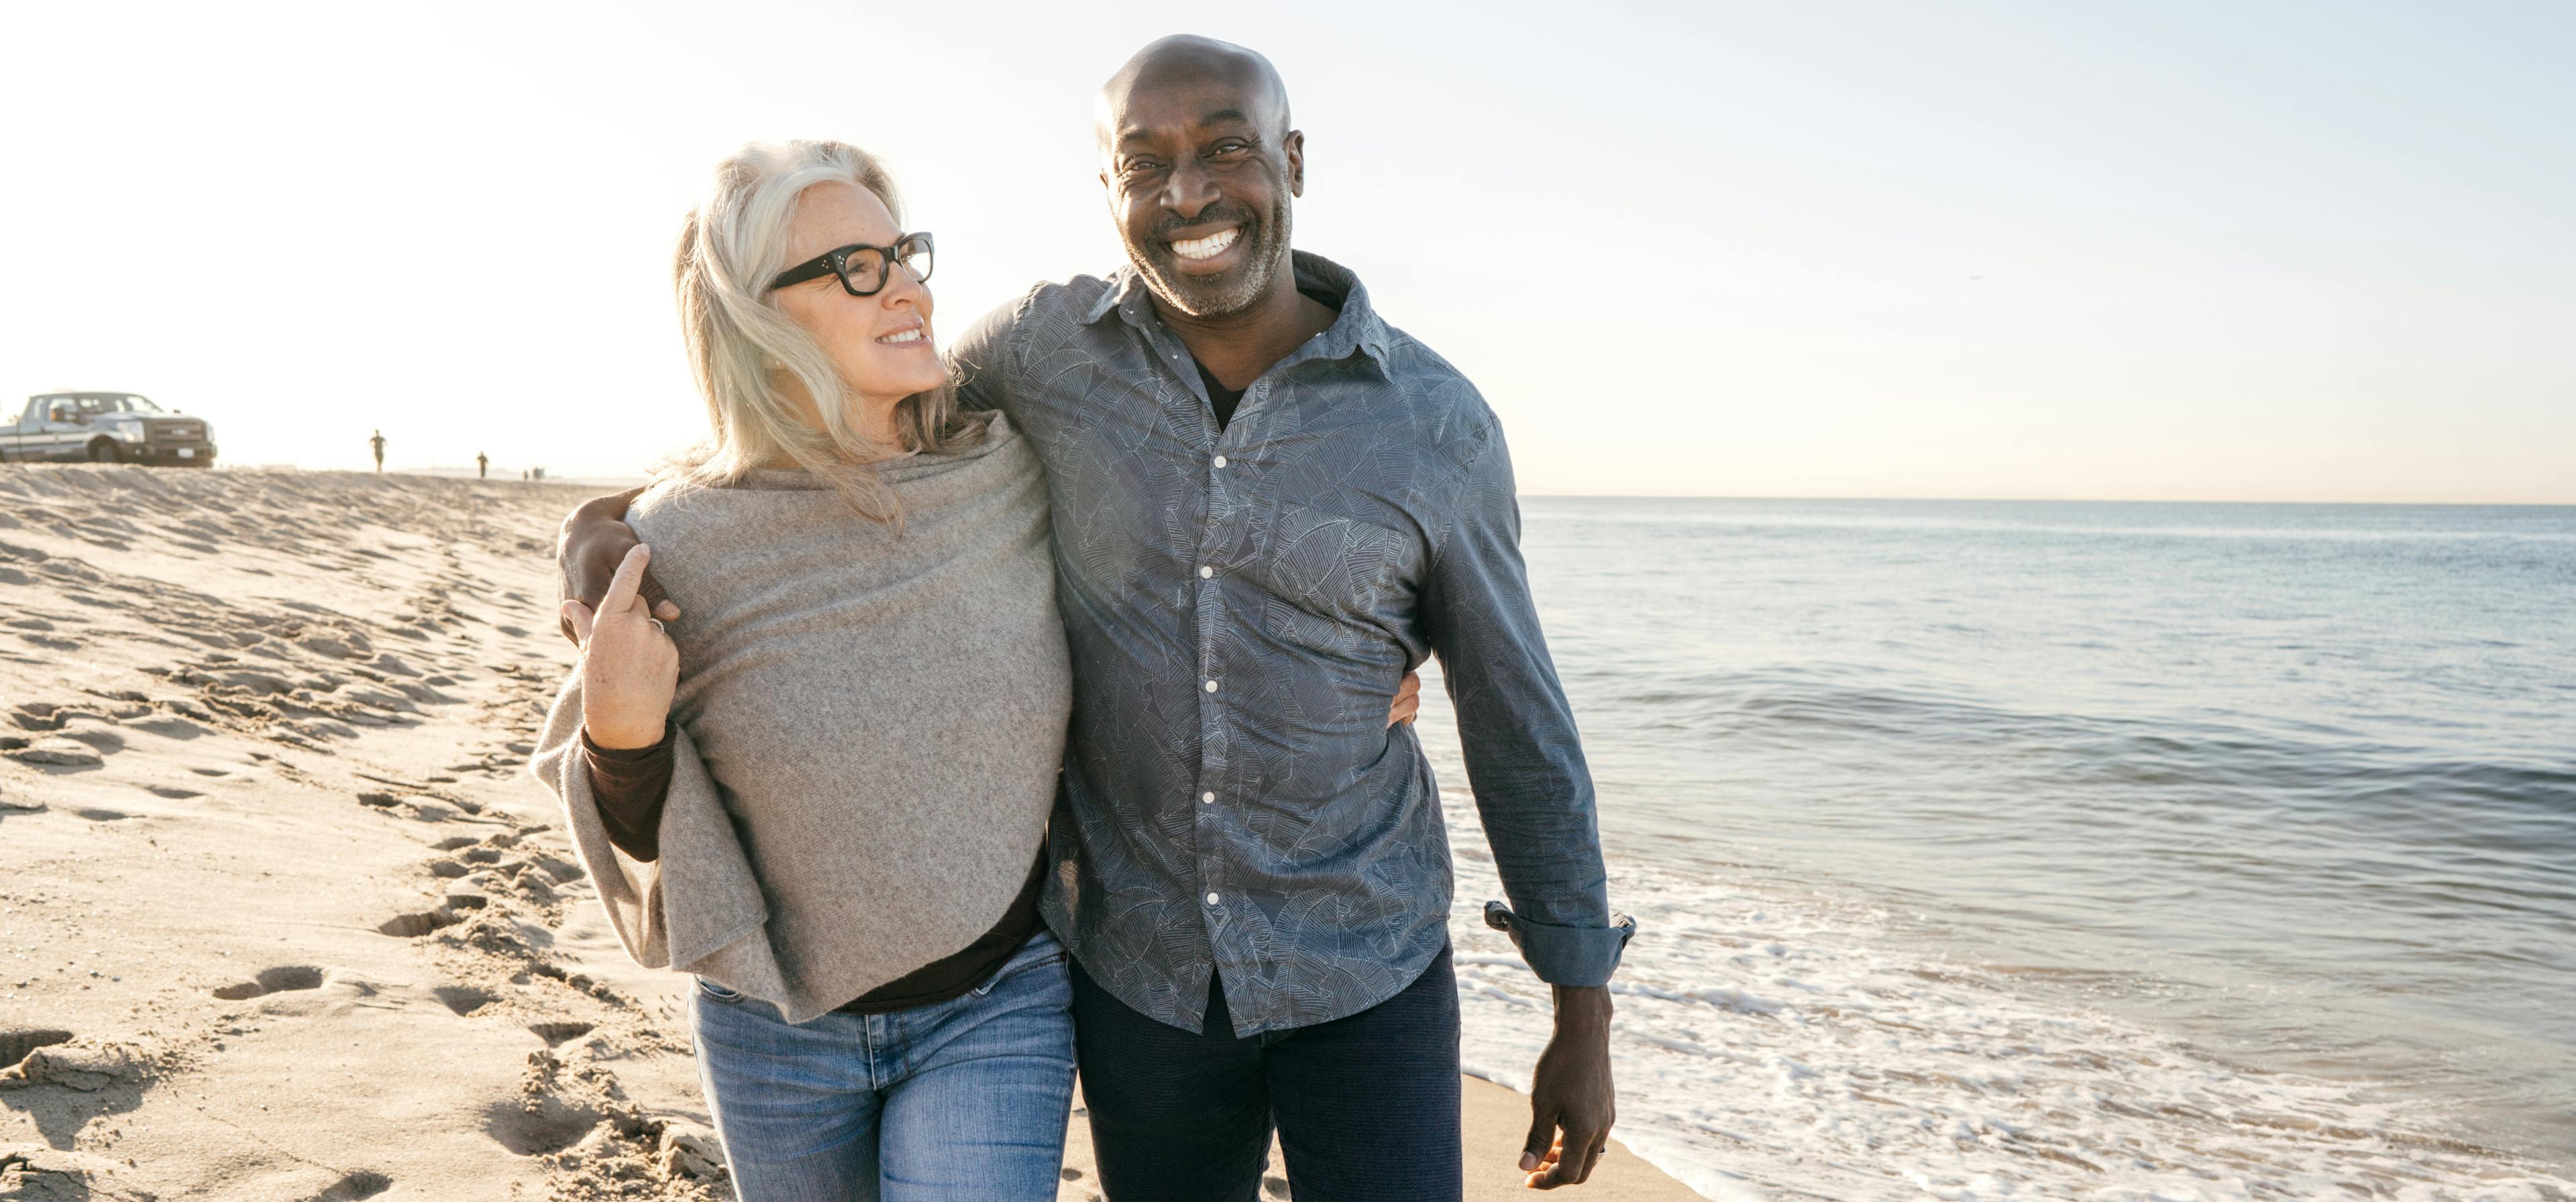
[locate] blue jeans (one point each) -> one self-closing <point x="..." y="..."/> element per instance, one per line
<point x="964" y="1099"/>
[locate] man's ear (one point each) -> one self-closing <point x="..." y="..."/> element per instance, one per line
<point x="1295" y="145"/>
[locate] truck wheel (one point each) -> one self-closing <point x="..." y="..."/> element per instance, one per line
<point x="103" y="450"/>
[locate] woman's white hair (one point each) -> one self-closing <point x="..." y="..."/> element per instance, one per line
<point x="742" y="348"/>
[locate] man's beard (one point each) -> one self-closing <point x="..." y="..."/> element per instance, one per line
<point x="1266" y="251"/>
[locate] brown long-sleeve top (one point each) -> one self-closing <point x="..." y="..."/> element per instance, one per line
<point x="630" y="786"/>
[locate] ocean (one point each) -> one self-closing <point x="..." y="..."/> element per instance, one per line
<point x="2039" y="849"/>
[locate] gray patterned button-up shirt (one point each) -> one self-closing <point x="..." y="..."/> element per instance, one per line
<point x="1241" y="604"/>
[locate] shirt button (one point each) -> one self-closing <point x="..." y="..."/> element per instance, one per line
<point x="1207" y="798"/>
<point x="1211" y="899"/>
<point x="1220" y="461"/>
<point x="1211" y="686"/>
<point x="1206" y="571"/>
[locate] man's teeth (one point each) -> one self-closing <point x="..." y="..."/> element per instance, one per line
<point x="1208" y="247"/>
<point x="911" y="335"/>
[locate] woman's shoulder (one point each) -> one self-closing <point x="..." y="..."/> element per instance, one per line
<point x="998" y="447"/>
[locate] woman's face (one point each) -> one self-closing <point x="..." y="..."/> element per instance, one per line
<point x="855" y="330"/>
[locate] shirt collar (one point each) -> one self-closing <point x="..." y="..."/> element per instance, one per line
<point x="1356" y="330"/>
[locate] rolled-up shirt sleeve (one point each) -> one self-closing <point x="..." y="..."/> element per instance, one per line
<point x="1524" y="756"/>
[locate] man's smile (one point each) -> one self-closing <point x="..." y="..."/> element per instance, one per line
<point x="1207" y="248"/>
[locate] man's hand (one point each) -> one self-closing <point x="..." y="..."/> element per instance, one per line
<point x="1571" y="1092"/>
<point x="1408" y="701"/>
<point x="594" y="541"/>
<point x="629" y="667"/>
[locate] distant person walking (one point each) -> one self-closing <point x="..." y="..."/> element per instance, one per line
<point x="482" y="465"/>
<point x="378" y="442"/>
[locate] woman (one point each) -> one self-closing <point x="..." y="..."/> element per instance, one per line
<point x="823" y="790"/>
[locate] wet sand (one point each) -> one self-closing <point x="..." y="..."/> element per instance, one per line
<point x="284" y="919"/>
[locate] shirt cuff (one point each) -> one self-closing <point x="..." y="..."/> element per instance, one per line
<point x="1581" y="957"/>
<point x="629" y="755"/>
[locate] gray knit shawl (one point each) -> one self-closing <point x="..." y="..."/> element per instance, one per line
<point x="870" y="727"/>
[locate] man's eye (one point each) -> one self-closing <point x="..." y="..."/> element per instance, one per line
<point x="1224" y="148"/>
<point x="1137" y="165"/>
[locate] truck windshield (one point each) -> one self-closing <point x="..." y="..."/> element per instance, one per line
<point x="136" y="404"/>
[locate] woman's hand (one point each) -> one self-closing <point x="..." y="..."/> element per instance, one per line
<point x="629" y="667"/>
<point x="1408" y="701"/>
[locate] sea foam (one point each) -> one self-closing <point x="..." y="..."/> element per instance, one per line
<point x="1771" y="1045"/>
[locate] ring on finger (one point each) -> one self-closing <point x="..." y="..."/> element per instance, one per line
<point x="657" y="625"/>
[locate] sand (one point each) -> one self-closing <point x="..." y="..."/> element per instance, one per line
<point x="283" y="918"/>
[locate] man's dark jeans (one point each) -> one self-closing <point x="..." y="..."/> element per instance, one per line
<point x="1367" y="1106"/>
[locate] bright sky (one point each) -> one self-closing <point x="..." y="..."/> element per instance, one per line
<point x="2170" y="249"/>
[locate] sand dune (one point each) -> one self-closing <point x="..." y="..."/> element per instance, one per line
<point x="283" y="918"/>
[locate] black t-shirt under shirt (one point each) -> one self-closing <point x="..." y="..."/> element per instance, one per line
<point x="1224" y="399"/>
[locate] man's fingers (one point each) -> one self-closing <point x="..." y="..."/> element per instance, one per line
<point x="1542" y="1140"/>
<point x="624" y="588"/>
<point x="654" y="595"/>
<point x="1577" y="1165"/>
<point x="576" y="622"/>
<point x="1562" y="1169"/>
<point x="665" y="609"/>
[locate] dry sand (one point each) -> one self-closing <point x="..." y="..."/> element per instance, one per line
<point x="283" y="919"/>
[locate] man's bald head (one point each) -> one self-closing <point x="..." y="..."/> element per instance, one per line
<point x="1186" y="60"/>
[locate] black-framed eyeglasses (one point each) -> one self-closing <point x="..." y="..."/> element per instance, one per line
<point x="862" y="267"/>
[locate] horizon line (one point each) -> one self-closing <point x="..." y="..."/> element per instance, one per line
<point x="631" y="478"/>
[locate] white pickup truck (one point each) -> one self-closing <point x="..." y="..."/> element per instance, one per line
<point x="105" y="427"/>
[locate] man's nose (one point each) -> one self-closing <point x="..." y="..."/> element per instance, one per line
<point x="1189" y="189"/>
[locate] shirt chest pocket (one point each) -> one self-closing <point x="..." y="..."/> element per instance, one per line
<point x="1327" y="573"/>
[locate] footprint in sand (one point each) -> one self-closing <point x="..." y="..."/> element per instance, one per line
<point x="273" y="980"/>
<point x="210" y="771"/>
<point x="558" y="1033"/>
<point x="173" y="792"/>
<point x="16" y="1042"/>
<point x="464" y="999"/>
<point x="540" y="1125"/>
<point x="40" y="715"/>
<point x="101" y="742"/>
<point x="415" y="925"/>
<point x="52" y="754"/>
<point x="354" y="1187"/>
<point x="98" y="815"/>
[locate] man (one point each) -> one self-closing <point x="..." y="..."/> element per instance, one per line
<point x="1269" y="505"/>
<point x="482" y="466"/>
<point x="377" y="441"/>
